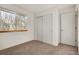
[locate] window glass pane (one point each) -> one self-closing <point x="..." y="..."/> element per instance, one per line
<point x="10" y="21"/>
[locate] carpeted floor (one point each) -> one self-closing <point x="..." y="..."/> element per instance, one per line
<point x="39" y="48"/>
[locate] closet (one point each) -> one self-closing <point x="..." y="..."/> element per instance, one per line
<point x="44" y="28"/>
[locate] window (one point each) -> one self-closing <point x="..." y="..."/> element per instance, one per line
<point x="12" y="21"/>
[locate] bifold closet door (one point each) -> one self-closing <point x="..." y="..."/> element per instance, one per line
<point x="44" y="32"/>
<point x="68" y="28"/>
<point x="47" y="29"/>
<point x="39" y="29"/>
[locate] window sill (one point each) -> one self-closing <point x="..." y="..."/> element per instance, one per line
<point x="3" y="31"/>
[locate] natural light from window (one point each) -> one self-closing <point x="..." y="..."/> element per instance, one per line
<point x="12" y="21"/>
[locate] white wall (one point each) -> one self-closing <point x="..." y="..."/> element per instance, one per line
<point x="10" y="39"/>
<point x="56" y="28"/>
<point x="14" y="38"/>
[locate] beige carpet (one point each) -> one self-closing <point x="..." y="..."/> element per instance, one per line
<point x="39" y="48"/>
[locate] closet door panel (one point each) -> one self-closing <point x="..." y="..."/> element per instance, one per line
<point x="39" y="30"/>
<point x="47" y="34"/>
<point x="44" y="31"/>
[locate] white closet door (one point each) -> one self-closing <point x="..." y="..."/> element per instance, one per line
<point x="39" y="29"/>
<point x="68" y="28"/>
<point x="47" y="27"/>
<point x="44" y="28"/>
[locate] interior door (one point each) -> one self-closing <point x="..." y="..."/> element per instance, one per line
<point x="68" y="28"/>
<point x="47" y="29"/>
